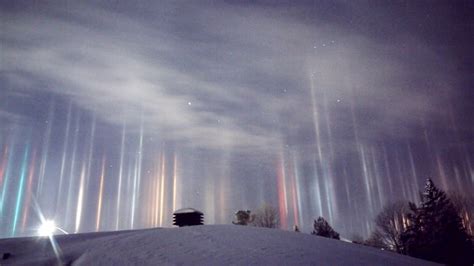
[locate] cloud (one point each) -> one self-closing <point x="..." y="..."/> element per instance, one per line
<point x="223" y="76"/>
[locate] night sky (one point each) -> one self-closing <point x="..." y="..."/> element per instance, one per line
<point x="113" y="114"/>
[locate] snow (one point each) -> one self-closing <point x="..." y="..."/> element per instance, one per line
<point x="198" y="245"/>
<point x="187" y="210"/>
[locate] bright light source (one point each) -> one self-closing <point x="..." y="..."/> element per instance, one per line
<point x="47" y="228"/>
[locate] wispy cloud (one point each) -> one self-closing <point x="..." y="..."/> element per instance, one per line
<point x="222" y="76"/>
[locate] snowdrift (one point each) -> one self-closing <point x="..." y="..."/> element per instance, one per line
<point x="197" y="245"/>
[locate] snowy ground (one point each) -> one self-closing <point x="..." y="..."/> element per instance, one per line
<point x="198" y="245"/>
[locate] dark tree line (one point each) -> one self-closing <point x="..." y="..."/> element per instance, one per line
<point x="435" y="231"/>
<point x="265" y="216"/>
<point x="438" y="229"/>
<point x="432" y="230"/>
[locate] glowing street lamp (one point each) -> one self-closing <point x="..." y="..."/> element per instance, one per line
<point x="48" y="227"/>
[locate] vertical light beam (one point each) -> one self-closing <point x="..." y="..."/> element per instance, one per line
<point x="20" y="188"/>
<point x="29" y="188"/>
<point x="6" y="180"/>
<point x="80" y="198"/>
<point x="175" y="166"/>
<point x="3" y="164"/>
<point x="63" y="159"/>
<point x="162" y="188"/>
<point x="101" y="189"/>
<point x="282" y="201"/>
<point x="45" y="149"/>
<point x="72" y="180"/>
<point x="119" y="188"/>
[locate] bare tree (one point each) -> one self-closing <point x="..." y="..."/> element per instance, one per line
<point x="266" y="216"/>
<point x="375" y="240"/>
<point x="357" y="239"/>
<point x="390" y="223"/>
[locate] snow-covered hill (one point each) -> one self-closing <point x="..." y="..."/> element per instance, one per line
<point x="198" y="245"/>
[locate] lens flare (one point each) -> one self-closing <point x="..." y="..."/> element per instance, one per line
<point x="47" y="228"/>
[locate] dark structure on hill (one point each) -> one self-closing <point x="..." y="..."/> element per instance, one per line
<point x="188" y="217"/>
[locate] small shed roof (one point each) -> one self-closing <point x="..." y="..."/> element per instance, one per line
<point x="187" y="210"/>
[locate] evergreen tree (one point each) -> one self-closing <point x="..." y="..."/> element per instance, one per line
<point x="322" y="228"/>
<point x="435" y="231"/>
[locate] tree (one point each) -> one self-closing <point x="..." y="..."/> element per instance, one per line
<point x="322" y="228"/>
<point x="390" y="224"/>
<point x="435" y="231"/>
<point x="242" y="217"/>
<point x="266" y="216"/>
<point x="465" y="207"/>
<point x="357" y="239"/>
<point x="376" y="240"/>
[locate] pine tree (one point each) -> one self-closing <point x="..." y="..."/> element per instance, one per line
<point x="435" y="231"/>
<point x="322" y="228"/>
